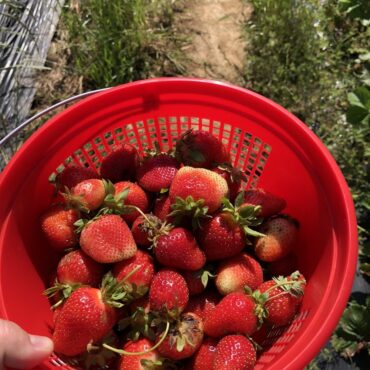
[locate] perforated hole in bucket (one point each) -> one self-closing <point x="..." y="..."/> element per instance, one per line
<point x="248" y="152"/>
<point x="278" y="338"/>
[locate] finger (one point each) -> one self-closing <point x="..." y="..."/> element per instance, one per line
<point x="21" y="350"/>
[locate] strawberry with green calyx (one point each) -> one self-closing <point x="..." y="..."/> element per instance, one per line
<point x="247" y="216"/>
<point x="86" y="317"/>
<point x="237" y="272"/>
<point x="200" y="184"/>
<point x="168" y="293"/>
<point x="60" y="292"/>
<point x="144" y="229"/>
<point x="157" y="170"/>
<point x="73" y="270"/>
<point x="139" y="282"/>
<point x="233" y="177"/>
<point x="174" y="246"/>
<point x="204" y="358"/>
<point x="121" y="163"/>
<point x="88" y="195"/>
<point x="106" y="239"/>
<point x="225" y="234"/>
<point x="58" y="226"/>
<point x="197" y="281"/>
<point x="128" y="194"/>
<point x="271" y="204"/>
<point x="200" y="149"/>
<point x="184" y="337"/>
<point x="139" y="321"/>
<point x="278" y="300"/>
<point x="72" y="175"/>
<point x="234" y="352"/>
<point x="188" y="209"/>
<point x="235" y="313"/>
<point x="279" y="239"/>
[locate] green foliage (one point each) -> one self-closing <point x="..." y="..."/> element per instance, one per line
<point x="353" y="332"/>
<point x="313" y="58"/>
<point x="117" y="41"/>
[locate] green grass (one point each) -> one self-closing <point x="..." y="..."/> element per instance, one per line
<point x="313" y="58"/>
<point x="118" y="41"/>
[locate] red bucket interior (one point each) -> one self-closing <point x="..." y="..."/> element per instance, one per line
<point x="275" y="149"/>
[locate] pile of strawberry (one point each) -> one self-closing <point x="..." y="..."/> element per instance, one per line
<point x="166" y="263"/>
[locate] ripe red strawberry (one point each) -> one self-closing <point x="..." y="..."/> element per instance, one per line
<point x="204" y="303"/>
<point x="234" y="352"/>
<point x="74" y="174"/>
<point x="271" y="204"/>
<point x="136" y="196"/>
<point x="197" y="281"/>
<point x="108" y="239"/>
<point x="221" y="237"/>
<point x="57" y="224"/>
<point x="157" y="172"/>
<point x="281" y="233"/>
<point x="162" y="208"/>
<point x="204" y="358"/>
<point x="200" y="184"/>
<point x="233" y="314"/>
<point x="280" y="298"/>
<point x="168" y="292"/>
<point x="84" y="318"/>
<point x="87" y="195"/>
<point x="76" y="267"/>
<point x="183" y="339"/>
<point x="178" y="248"/>
<point x="120" y="164"/>
<point x="139" y="362"/>
<point x="140" y="280"/>
<point x="200" y="149"/>
<point x="142" y="229"/>
<point x="235" y="273"/>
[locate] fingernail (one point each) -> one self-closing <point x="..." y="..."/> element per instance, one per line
<point x="40" y="342"/>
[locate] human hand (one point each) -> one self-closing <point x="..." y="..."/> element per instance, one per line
<point x="19" y="349"/>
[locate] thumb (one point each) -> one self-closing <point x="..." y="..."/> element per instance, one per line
<point x="19" y="349"/>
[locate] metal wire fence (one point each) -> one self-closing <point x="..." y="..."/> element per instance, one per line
<point x="26" y="30"/>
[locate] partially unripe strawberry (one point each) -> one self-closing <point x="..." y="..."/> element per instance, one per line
<point x="197" y="182"/>
<point x="237" y="272"/>
<point x="280" y="238"/>
<point x="108" y="239"/>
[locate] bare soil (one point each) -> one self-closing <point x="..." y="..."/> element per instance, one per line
<point x="216" y="46"/>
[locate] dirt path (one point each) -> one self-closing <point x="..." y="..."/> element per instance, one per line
<point x="216" y="47"/>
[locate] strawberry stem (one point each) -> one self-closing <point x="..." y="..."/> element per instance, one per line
<point x="125" y="353"/>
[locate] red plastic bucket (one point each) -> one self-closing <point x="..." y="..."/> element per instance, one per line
<point x="277" y="150"/>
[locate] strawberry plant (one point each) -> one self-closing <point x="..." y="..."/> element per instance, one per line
<point x="353" y="332"/>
